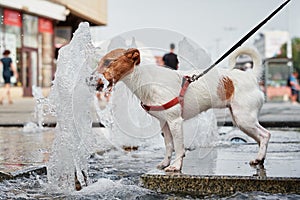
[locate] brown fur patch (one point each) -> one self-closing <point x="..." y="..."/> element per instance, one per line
<point x="225" y="88"/>
<point x="117" y="64"/>
<point x="108" y="58"/>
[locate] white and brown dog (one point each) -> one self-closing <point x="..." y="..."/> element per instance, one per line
<point x="171" y="101"/>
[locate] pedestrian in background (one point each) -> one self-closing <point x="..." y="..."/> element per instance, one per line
<point x="8" y="70"/>
<point x="294" y="85"/>
<point x="170" y="59"/>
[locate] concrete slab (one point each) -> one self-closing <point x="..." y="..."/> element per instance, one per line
<point x="224" y="170"/>
<point x="203" y="186"/>
<point x="23" y="172"/>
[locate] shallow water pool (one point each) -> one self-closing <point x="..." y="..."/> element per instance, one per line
<point x="113" y="173"/>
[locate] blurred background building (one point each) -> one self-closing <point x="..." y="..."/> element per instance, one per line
<point x="34" y="30"/>
<point x="276" y="50"/>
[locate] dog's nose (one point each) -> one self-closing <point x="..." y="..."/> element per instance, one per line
<point x="100" y="87"/>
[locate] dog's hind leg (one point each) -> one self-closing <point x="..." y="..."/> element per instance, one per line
<point x="247" y="121"/>
<point x="263" y="145"/>
<point x="168" y="144"/>
<point x="176" y="129"/>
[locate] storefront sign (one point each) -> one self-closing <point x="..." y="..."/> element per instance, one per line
<point x="45" y="26"/>
<point x="12" y="18"/>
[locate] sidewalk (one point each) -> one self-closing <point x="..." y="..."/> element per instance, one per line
<point x="273" y="114"/>
<point x="18" y="113"/>
<point x="21" y="111"/>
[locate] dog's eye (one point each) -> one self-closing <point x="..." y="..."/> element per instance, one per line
<point x="107" y="62"/>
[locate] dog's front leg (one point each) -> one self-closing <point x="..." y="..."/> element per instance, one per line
<point x="168" y="144"/>
<point x="177" y="134"/>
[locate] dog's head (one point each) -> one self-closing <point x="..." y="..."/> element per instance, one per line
<point x="116" y="64"/>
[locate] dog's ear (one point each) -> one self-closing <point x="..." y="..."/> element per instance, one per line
<point x="134" y="55"/>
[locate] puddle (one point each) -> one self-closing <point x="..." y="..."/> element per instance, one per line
<point x="114" y="174"/>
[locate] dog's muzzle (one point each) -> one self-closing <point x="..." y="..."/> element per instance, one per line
<point x="97" y="81"/>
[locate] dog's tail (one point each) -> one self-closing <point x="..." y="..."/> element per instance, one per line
<point x="257" y="63"/>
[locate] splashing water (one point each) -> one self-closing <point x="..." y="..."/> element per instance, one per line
<point x="72" y="98"/>
<point x="39" y="98"/>
<point x="42" y="107"/>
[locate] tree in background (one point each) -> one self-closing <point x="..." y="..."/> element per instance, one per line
<point x="295" y="53"/>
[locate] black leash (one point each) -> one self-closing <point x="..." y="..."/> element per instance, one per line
<point x="240" y="42"/>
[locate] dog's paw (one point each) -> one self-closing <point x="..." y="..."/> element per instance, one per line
<point x="257" y="162"/>
<point x="172" y="169"/>
<point x="162" y="166"/>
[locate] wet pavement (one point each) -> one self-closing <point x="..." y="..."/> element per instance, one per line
<point x="21" y="150"/>
<point x="22" y="111"/>
<point x="27" y="153"/>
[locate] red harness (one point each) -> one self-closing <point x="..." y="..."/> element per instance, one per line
<point x="185" y="83"/>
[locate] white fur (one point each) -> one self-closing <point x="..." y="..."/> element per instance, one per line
<point x="155" y="85"/>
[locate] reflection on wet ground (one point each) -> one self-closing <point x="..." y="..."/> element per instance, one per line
<point x="114" y="174"/>
<point x="19" y="149"/>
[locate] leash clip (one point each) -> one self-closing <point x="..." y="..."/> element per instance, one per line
<point x="195" y="77"/>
